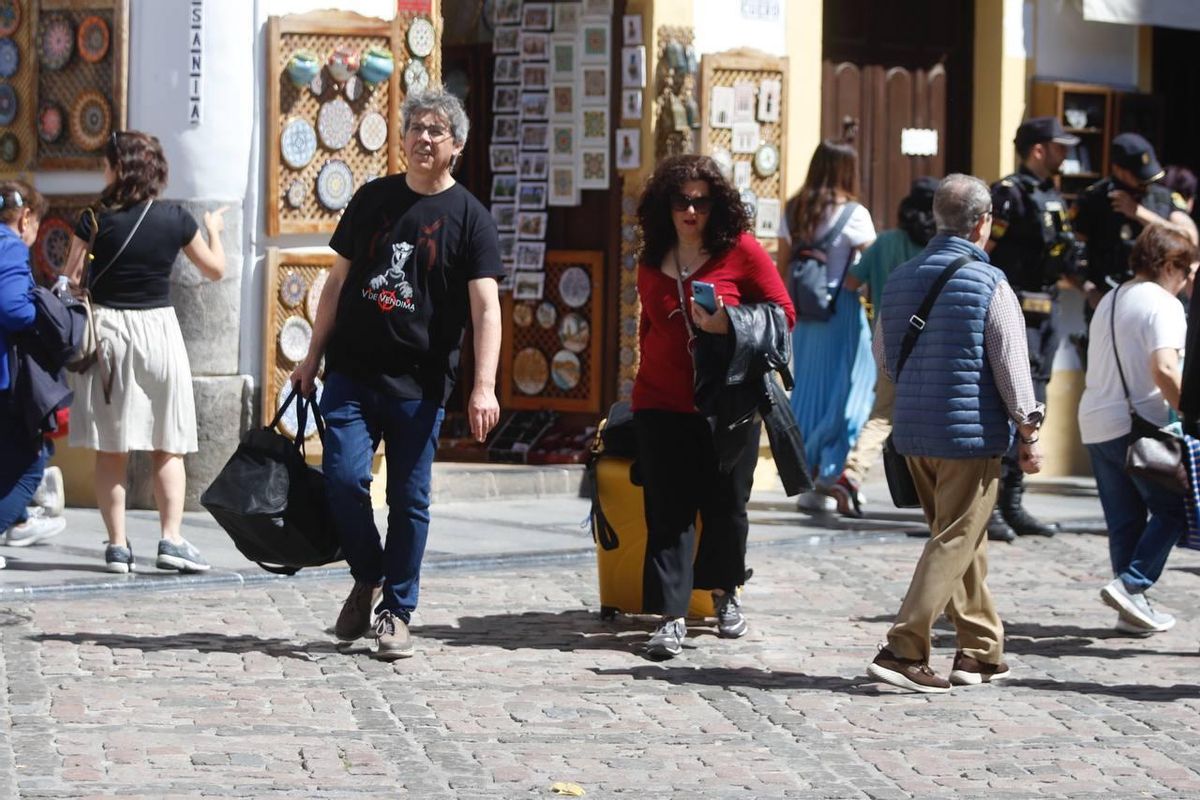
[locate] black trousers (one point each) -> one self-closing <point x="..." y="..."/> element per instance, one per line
<point x="678" y="467"/>
<point x="1043" y="344"/>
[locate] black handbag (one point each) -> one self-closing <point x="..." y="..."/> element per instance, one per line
<point x="1154" y="453"/>
<point x="899" y="477"/>
<point x="271" y="502"/>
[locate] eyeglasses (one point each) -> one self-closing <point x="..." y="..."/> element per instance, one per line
<point x="436" y="132"/>
<point x="702" y="204"/>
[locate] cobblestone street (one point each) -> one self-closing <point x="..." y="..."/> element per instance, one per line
<point x="518" y="684"/>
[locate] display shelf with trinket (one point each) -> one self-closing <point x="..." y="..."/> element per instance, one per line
<point x="80" y="53"/>
<point x="349" y="107"/>
<point x="49" y="251"/>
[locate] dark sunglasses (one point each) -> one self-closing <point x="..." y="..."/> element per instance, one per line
<point x="701" y="205"/>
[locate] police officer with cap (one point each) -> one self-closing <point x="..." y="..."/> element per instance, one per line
<point x="1112" y="212"/>
<point x="1033" y="243"/>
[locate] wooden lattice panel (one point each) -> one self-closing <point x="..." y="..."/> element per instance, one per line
<point x="525" y="330"/>
<point x="64" y="86"/>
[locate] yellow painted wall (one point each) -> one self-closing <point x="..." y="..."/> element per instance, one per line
<point x="1000" y="86"/>
<point x="804" y="20"/>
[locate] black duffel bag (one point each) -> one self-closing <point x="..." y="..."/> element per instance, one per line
<point x="271" y="502"/>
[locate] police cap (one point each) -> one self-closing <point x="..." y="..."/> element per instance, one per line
<point x="1042" y="129"/>
<point x="1131" y="151"/>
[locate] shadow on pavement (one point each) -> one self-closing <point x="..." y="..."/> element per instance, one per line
<point x="1130" y="691"/>
<point x="200" y="642"/>
<point x="747" y="677"/>
<point x="576" y="629"/>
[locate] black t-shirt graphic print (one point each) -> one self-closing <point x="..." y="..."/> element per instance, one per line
<point x="404" y="305"/>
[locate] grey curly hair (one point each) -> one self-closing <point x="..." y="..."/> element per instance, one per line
<point x="442" y="103"/>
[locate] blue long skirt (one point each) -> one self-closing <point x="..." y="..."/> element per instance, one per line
<point x="835" y="385"/>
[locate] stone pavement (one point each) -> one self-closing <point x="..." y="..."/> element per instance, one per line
<point x="238" y="691"/>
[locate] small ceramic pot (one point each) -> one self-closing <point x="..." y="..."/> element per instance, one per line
<point x="376" y="66"/>
<point x="342" y="64"/>
<point x="303" y="67"/>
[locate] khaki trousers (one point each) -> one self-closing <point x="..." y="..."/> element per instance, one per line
<point x="951" y="575"/>
<point x="874" y="433"/>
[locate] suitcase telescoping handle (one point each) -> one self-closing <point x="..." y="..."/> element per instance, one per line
<point x="303" y="405"/>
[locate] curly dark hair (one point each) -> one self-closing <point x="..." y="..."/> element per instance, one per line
<point x="726" y="222"/>
<point x="139" y="168"/>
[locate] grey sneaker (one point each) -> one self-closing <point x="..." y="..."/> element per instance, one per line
<point x="118" y="558"/>
<point x="394" y="639"/>
<point x="50" y="494"/>
<point x="183" y="557"/>
<point x="1135" y="608"/>
<point x="37" y="528"/>
<point x="731" y="623"/>
<point x="667" y="640"/>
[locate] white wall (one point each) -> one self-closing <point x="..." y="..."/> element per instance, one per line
<point x="719" y="25"/>
<point x="1066" y="47"/>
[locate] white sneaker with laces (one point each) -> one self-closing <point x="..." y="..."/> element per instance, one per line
<point x="1135" y="608"/>
<point x="50" y="494"/>
<point x="37" y="528"/>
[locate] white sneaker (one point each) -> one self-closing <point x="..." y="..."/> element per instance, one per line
<point x="1135" y="609"/>
<point x="3" y="562"/>
<point x="1129" y="629"/>
<point x="37" y="528"/>
<point x="815" y="501"/>
<point x="50" y="493"/>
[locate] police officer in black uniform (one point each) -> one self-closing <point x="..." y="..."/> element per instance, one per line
<point x="1033" y="243"/>
<point x="1111" y="213"/>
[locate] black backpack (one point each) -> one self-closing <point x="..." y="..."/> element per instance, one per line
<point x="808" y="273"/>
<point x="271" y="502"/>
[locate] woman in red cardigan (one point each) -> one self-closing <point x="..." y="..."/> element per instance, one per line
<point x="693" y="227"/>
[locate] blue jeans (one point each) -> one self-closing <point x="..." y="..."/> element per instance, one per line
<point x="22" y="462"/>
<point x="1138" y="547"/>
<point x="357" y="417"/>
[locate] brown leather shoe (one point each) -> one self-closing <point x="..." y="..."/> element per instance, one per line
<point x="969" y="671"/>
<point x="394" y="639"/>
<point x="354" y="621"/>
<point x="906" y="673"/>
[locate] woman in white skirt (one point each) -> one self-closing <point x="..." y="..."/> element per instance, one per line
<point x="138" y="396"/>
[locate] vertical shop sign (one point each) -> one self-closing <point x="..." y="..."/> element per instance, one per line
<point x="195" y="42"/>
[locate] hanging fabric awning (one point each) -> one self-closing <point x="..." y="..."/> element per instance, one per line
<point x="1163" y="13"/>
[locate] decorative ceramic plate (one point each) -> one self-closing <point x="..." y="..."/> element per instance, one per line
<point x="294" y="337"/>
<point x="8" y="104"/>
<point x="530" y="371"/>
<point x="10" y="16"/>
<point x="314" y="295"/>
<point x="415" y="77"/>
<point x="421" y="37"/>
<point x="335" y="184"/>
<point x="56" y="42"/>
<point x="54" y="240"/>
<point x="317" y="84"/>
<point x="574" y="286"/>
<point x="297" y="143"/>
<point x="296" y="193"/>
<point x="50" y="122"/>
<point x="10" y="58"/>
<point x="10" y="147"/>
<point x="766" y="161"/>
<point x="292" y="288"/>
<point x="522" y="315"/>
<point x="373" y="131"/>
<point x="565" y="370"/>
<point x="353" y="88"/>
<point x="288" y="422"/>
<point x="335" y="124"/>
<point x="574" y="332"/>
<point x="91" y="120"/>
<point x="546" y="314"/>
<point x="92" y="39"/>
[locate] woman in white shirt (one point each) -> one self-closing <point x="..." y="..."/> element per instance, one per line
<point x="835" y="374"/>
<point x="1142" y="372"/>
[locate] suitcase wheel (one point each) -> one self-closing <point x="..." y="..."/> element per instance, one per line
<point x="608" y="613"/>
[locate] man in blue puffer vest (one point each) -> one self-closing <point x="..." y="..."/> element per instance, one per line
<point x="963" y="390"/>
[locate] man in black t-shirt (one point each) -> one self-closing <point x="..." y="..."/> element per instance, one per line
<point x="416" y="253"/>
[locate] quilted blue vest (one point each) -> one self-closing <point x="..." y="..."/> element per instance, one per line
<point x="947" y="404"/>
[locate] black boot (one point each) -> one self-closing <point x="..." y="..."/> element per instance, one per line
<point x="998" y="530"/>
<point x="1012" y="490"/>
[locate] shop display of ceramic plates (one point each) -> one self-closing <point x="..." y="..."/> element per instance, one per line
<point x="288" y="422"/>
<point x="92" y="39"/>
<point x="547" y="314"/>
<point x="10" y="16"/>
<point x="335" y="184"/>
<point x="372" y="131"/>
<point x="421" y="37"/>
<point x="574" y="332"/>
<point x="317" y="84"/>
<point x="10" y="58"/>
<point x="10" y="147"/>
<point x="297" y="143"/>
<point x="296" y="193"/>
<point x="415" y="77"/>
<point x="57" y="41"/>
<point x="353" y="88"/>
<point x="50" y="122"/>
<point x="91" y="120"/>
<point x="565" y="370"/>
<point x="522" y="315"/>
<point x="54" y="240"/>
<point x="530" y="371"/>
<point x="574" y="286"/>
<point x="294" y="337"/>
<point x="314" y="295"/>
<point x="8" y="104"/>
<point x="292" y="289"/>
<point x="335" y="123"/>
